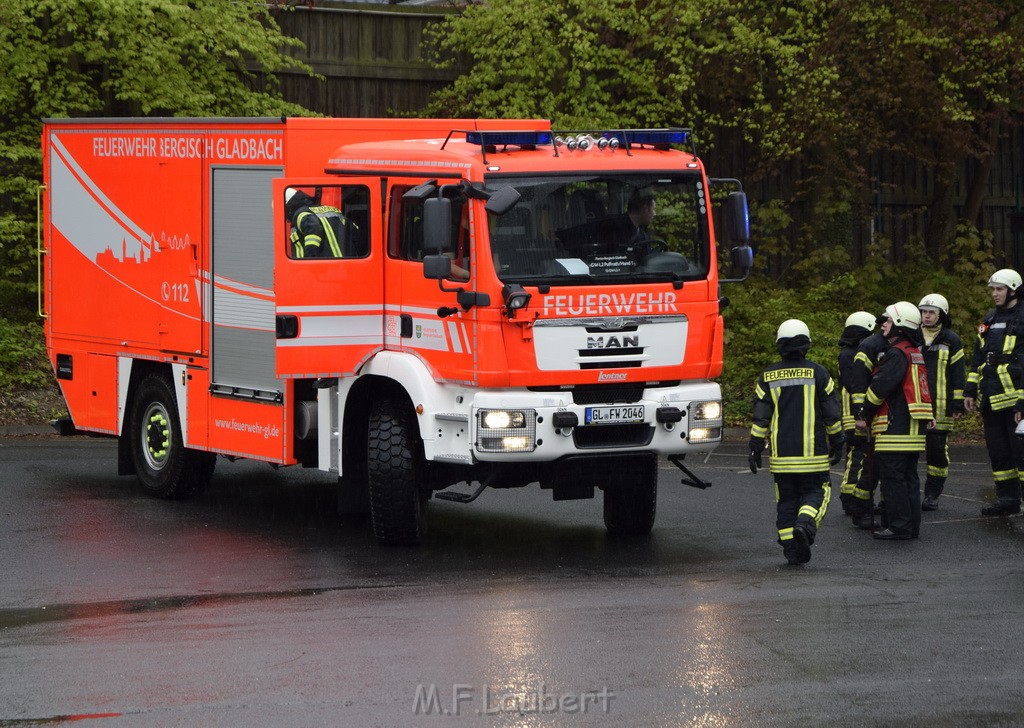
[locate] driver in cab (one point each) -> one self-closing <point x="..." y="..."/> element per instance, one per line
<point x="632" y="228"/>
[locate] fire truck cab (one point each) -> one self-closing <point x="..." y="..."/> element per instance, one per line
<point x="407" y="304"/>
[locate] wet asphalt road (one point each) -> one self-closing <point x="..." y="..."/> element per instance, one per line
<point x="256" y="605"/>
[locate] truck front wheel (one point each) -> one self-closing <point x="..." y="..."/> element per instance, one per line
<point x="165" y="467"/>
<point x="398" y="501"/>
<point x="631" y="496"/>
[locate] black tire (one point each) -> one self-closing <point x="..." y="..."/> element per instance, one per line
<point x="398" y="502"/>
<point x="164" y="466"/>
<point x="631" y="496"/>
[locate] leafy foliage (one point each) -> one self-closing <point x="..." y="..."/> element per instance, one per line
<point x="759" y="306"/>
<point x="23" y="362"/>
<point x="803" y="95"/>
<point x="63" y="58"/>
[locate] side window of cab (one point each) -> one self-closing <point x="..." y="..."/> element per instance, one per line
<point x="331" y="222"/>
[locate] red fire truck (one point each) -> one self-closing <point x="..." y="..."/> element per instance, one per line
<point x="494" y="308"/>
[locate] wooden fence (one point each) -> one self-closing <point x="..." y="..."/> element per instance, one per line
<point x="372" y="58"/>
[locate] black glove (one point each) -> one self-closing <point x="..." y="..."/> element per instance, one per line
<point x="858" y="440"/>
<point x="756" y="447"/>
<point x="835" y="448"/>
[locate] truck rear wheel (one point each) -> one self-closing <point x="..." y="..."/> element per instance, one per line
<point x="398" y="502"/>
<point x="165" y="467"/>
<point x="631" y="496"/>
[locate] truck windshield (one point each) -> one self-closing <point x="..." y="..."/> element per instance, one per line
<point x="600" y="228"/>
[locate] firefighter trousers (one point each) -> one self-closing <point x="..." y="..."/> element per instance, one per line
<point x="855" y="456"/>
<point x="866" y="483"/>
<point x="1004" y="451"/>
<point x="801" y="499"/>
<point x="901" y="490"/>
<point x="937" y="455"/>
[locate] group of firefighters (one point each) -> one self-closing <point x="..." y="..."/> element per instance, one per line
<point x="900" y="391"/>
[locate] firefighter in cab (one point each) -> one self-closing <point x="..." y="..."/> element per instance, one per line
<point x="994" y="385"/>
<point x="796" y="406"/>
<point x="318" y="231"/>
<point x="944" y="359"/>
<point x="898" y="409"/>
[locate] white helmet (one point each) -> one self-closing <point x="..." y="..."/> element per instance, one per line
<point x="792" y="327"/>
<point x="289" y="193"/>
<point x="861" y="318"/>
<point x="1005" y="277"/>
<point x="904" y="314"/>
<point x="935" y="300"/>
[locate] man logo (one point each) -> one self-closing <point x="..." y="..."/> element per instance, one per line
<point x="613" y="342"/>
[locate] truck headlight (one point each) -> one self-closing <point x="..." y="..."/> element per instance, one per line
<point x="506" y="430"/>
<point x="710" y="410"/>
<point x="705" y="421"/>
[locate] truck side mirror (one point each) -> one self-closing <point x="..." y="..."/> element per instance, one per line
<point x="437" y="224"/>
<point x="737" y="224"/>
<point x="437" y="267"/>
<point x="737" y="218"/>
<point x="502" y="201"/>
<point x="742" y="258"/>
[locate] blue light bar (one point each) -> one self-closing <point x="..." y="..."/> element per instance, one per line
<point x="659" y="137"/>
<point x="508" y="138"/>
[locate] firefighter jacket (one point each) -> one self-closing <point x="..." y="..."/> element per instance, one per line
<point x="859" y="377"/>
<point x="898" y="404"/>
<point x="848" y="344"/>
<point x="795" y="403"/>
<point x="995" y="375"/>
<point x="319" y="231"/>
<point x="945" y="361"/>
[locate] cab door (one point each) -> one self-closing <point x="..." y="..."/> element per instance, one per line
<point x="329" y="309"/>
<point x="447" y="345"/>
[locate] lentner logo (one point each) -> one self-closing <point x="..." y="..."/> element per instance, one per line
<point x="611" y="376"/>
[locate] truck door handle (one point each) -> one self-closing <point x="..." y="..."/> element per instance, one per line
<point x="405" y="328"/>
<point x="287" y="326"/>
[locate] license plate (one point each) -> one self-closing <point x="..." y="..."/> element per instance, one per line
<point x="614" y="415"/>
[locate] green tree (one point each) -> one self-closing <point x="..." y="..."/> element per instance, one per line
<point x="802" y="94"/>
<point x="65" y="58"/>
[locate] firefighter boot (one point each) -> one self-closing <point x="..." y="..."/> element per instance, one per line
<point x="789" y="551"/>
<point x="1007" y="499"/>
<point x="1002" y="508"/>
<point x="803" y="544"/>
<point x="862" y="513"/>
<point x="932" y="490"/>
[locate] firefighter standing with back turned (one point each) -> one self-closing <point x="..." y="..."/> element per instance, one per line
<point x="795" y="403"/>
<point x="861" y="504"/>
<point x="944" y="360"/>
<point x="858" y="327"/>
<point x="898" y="407"/>
<point x="993" y="387"/>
